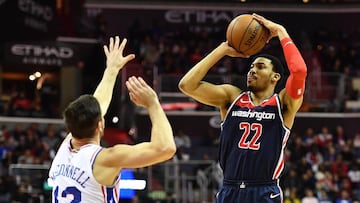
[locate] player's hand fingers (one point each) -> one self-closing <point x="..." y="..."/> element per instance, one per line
<point x="117" y="42"/>
<point x="111" y="44"/>
<point x="106" y="51"/>
<point x="135" y="82"/>
<point x="129" y="57"/>
<point x="122" y="46"/>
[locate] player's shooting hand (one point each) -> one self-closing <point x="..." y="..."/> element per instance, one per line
<point x="229" y="51"/>
<point x="141" y="93"/>
<point x="114" y="54"/>
<point x="274" y="28"/>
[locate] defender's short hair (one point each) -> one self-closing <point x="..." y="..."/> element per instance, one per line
<point x="82" y="116"/>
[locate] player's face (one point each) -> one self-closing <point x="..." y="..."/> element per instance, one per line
<point x="259" y="75"/>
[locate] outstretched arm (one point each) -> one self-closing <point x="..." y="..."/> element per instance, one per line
<point x="292" y="95"/>
<point x="161" y="146"/>
<point x="115" y="61"/>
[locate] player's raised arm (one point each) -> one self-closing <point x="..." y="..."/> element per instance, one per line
<point x="161" y="146"/>
<point x="115" y="61"/>
<point x="292" y="95"/>
<point x="192" y="83"/>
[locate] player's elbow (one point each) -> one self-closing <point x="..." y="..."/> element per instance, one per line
<point x="300" y="73"/>
<point x="182" y="85"/>
<point x="185" y="86"/>
<point x="167" y="152"/>
<point x="170" y="152"/>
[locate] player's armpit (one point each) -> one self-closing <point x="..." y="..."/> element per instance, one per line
<point x="295" y="84"/>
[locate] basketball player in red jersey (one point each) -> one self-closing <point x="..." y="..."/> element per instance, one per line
<point x="255" y="123"/>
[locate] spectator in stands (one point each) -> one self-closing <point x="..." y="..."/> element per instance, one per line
<point x="31" y="138"/>
<point x="291" y="196"/>
<point x="325" y="181"/>
<point x="18" y="132"/>
<point x="297" y="150"/>
<point x="345" y="184"/>
<point x="354" y="175"/>
<point x="36" y="129"/>
<point x="323" y="139"/>
<point x="309" y="197"/>
<point x="182" y="140"/>
<point x="356" y="146"/>
<point x="314" y="157"/>
<point x="308" y="138"/>
<point x="19" y="150"/>
<point x="330" y="154"/>
<point x="22" y="195"/>
<point x="292" y="181"/>
<point x="51" y="138"/>
<point x="344" y="197"/>
<point x="347" y="153"/>
<point x="7" y="188"/>
<point x="3" y="154"/>
<point x="20" y="105"/>
<point x="309" y="181"/>
<point x="323" y="197"/>
<point x="339" y="167"/>
<point x="339" y="136"/>
<point x="26" y="158"/>
<point x="211" y="138"/>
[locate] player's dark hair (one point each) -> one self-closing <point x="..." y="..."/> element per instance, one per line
<point x="82" y="116"/>
<point x="277" y="65"/>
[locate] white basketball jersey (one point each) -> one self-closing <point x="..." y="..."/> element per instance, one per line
<point x="71" y="173"/>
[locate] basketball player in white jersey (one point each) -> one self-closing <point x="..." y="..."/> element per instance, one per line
<point x="82" y="170"/>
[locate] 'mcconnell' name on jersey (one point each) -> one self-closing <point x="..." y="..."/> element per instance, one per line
<point x="258" y="115"/>
<point x="70" y="171"/>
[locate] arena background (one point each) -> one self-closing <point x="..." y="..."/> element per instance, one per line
<point x="80" y="28"/>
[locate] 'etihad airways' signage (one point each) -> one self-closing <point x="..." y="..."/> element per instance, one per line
<point x="40" y="53"/>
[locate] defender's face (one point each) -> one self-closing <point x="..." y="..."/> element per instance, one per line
<point x="260" y="73"/>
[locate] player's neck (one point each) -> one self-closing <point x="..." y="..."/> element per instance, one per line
<point x="76" y="144"/>
<point x="258" y="97"/>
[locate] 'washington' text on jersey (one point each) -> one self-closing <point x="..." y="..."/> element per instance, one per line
<point x="258" y="115"/>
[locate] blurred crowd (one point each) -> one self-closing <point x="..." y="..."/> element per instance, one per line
<point x="25" y="144"/>
<point x="321" y="164"/>
<point x="332" y="57"/>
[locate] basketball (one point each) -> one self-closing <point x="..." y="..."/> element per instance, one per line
<point x="246" y="35"/>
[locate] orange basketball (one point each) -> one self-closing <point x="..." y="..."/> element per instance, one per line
<point x="246" y="35"/>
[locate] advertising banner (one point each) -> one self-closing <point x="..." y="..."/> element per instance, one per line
<point x="27" y="19"/>
<point x="41" y="53"/>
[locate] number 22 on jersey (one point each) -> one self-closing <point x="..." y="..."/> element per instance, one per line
<point x="249" y="128"/>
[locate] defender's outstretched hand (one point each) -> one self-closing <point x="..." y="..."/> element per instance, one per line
<point x="141" y="93"/>
<point x="114" y="54"/>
